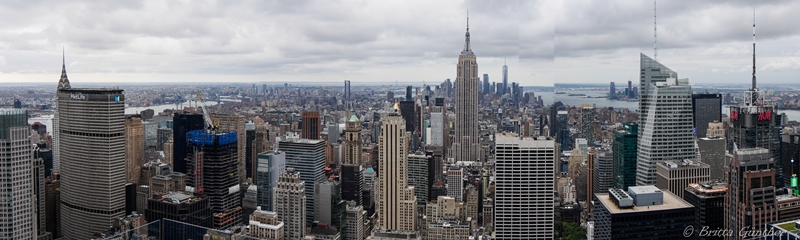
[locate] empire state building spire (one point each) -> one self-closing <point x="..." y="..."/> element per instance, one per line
<point x="63" y="83"/>
<point x="467" y="47"/>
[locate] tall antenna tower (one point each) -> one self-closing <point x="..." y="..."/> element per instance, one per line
<point x="754" y="49"/>
<point x="655" y="31"/>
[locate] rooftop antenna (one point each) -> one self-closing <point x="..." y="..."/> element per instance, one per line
<point x="754" y="90"/>
<point x="655" y="31"/>
<point x="754" y="49"/>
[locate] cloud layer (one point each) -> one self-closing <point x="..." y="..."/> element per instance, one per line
<point x="542" y="41"/>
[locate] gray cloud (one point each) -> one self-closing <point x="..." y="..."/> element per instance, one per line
<point x="542" y="40"/>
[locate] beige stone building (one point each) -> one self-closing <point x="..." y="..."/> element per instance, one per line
<point x="134" y="148"/>
<point x="396" y="202"/>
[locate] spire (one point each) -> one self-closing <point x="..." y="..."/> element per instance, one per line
<point x="63" y="83"/>
<point x="655" y="33"/>
<point x="754" y="50"/>
<point x="467" y="47"/>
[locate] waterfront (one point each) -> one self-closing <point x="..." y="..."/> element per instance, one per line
<point x="47" y="119"/>
<point x="549" y="97"/>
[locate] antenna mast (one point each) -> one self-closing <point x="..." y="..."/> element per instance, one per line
<point x="655" y="31"/>
<point x="754" y="49"/>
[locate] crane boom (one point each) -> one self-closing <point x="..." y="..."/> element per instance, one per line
<point x="206" y="113"/>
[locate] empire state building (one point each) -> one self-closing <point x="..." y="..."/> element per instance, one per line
<point x="466" y="145"/>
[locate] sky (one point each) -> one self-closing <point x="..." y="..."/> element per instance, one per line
<point x="542" y="41"/>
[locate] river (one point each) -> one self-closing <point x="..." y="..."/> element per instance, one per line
<point x="550" y="97"/>
<point x="47" y="120"/>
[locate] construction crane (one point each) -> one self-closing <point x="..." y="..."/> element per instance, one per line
<point x="206" y="114"/>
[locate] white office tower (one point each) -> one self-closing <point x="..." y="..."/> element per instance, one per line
<point x="665" y="120"/>
<point x="524" y="186"/>
<point x="396" y="202"/>
<point x="437" y="126"/>
<point x="455" y="183"/>
<point x="290" y="204"/>
<point x="16" y="212"/>
<point x="466" y="144"/>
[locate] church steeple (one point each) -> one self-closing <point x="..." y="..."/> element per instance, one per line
<point x="63" y="83"/>
<point x="467" y="47"/>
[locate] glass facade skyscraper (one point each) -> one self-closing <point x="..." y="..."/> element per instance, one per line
<point x="624" y="150"/>
<point x="665" y="119"/>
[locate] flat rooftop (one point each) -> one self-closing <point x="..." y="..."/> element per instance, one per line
<point x="644" y="189"/>
<point x="525" y="143"/>
<point x="671" y="201"/>
<point x="93" y="90"/>
<point x="788" y="227"/>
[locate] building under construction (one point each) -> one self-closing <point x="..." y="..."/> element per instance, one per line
<point x="212" y="170"/>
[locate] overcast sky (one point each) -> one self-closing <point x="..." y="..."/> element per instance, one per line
<point x="546" y="41"/>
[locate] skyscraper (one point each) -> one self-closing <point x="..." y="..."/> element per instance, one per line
<point x="665" y="129"/>
<point x="708" y="199"/>
<point x="587" y="123"/>
<point x="437" y="125"/>
<point x="213" y="163"/>
<point x="706" y="109"/>
<point x="396" y="202"/>
<point x="90" y="194"/>
<point x="466" y="145"/>
<point x="712" y="152"/>
<point x="487" y="89"/>
<point x="352" y="141"/>
<point x="17" y="211"/>
<point x="356" y="215"/>
<point x="624" y="149"/>
<point x="524" y="177"/>
<point x="270" y="166"/>
<point x="755" y="122"/>
<point x="455" y="183"/>
<point x="418" y="176"/>
<point x="134" y="148"/>
<point x="347" y="89"/>
<point x="352" y="178"/>
<point x="307" y="157"/>
<point x="311" y="125"/>
<point x="329" y="208"/>
<point x="674" y="176"/>
<point x="505" y="79"/>
<point x="750" y="202"/>
<point x="235" y="123"/>
<point x="612" y="94"/>
<point x="643" y="212"/>
<point x="602" y="170"/>
<point x="290" y="204"/>
<point x="182" y="123"/>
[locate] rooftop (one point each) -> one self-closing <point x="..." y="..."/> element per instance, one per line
<point x="787" y="197"/>
<point x="92" y="90"/>
<point x="686" y="163"/>
<point x="789" y="227"/>
<point x="671" y="201"/>
<point x="177" y="197"/>
<point x="644" y="189"/>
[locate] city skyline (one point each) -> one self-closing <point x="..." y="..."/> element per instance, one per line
<point x="368" y="42"/>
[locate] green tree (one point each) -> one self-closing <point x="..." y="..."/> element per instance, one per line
<point x="569" y="231"/>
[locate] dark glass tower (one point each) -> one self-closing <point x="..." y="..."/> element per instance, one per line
<point x="352" y="185"/>
<point x="182" y="123"/>
<point x="706" y="108"/>
<point x="624" y="149"/>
